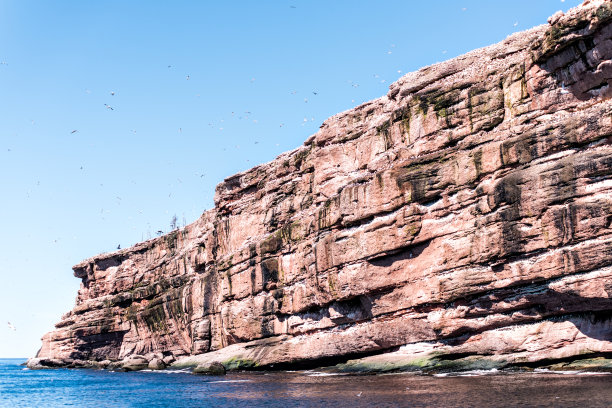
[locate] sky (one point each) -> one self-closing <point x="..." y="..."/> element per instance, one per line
<point x="116" y="116"/>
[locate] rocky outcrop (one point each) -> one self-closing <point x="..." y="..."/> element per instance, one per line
<point x="215" y="368"/>
<point x="466" y="214"/>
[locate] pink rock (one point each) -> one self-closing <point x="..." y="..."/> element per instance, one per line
<point x="469" y="207"/>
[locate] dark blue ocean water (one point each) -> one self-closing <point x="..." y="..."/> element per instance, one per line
<point x="20" y="387"/>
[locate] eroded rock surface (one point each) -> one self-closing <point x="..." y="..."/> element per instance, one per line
<point x="469" y="209"/>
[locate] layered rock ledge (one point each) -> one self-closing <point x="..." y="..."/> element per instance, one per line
<point x="464" y="217"/>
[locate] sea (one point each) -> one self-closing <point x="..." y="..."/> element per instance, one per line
<point x="21" y="387"/>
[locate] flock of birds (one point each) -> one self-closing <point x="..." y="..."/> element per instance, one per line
<point x="293" y="92"/>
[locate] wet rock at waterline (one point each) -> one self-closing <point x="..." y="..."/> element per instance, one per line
<point x="135" y="363"/>
<point x="214" y="368"/>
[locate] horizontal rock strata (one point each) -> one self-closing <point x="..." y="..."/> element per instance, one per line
<point x="468" y="210"/>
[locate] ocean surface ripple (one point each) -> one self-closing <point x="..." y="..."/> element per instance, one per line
<point x="21" y="387"/>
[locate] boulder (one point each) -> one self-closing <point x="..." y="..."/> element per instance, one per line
<point x="134" y="363"/>
<point x="34" y="364"/>
<point x="104" y="363"/>
<point x="157" y="364"/>
<point x="214" y="368"/>
<point x="78" y="364"/>
<point x="151" y="356"/>
<point x="115" y="365"/>
<point x="40" y="363"/>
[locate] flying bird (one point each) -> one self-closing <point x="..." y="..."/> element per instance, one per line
<point x="108" y="106"/>
<point x="119" y="246"/>
<point x="10" y="326"/>
<point x="74" y="131"/>
<point x="563" y="90"/>
<point x="112" y="93"/>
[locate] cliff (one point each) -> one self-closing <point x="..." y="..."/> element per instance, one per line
<point x="465" y="217"/>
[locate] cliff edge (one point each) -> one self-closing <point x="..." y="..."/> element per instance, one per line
<point x="464" y="219"/>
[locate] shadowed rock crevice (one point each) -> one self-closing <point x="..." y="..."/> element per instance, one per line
<point x="388" y="259"/>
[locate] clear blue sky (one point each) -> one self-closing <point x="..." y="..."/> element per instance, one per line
<point x="202" y="90"/>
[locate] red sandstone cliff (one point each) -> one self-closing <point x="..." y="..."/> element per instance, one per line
<point x="467" y="214"/>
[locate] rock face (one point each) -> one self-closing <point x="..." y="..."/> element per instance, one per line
<point x="468" y="213"/>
